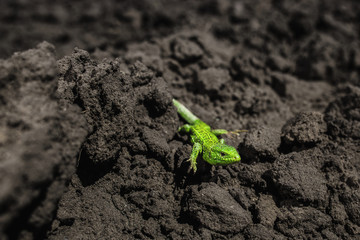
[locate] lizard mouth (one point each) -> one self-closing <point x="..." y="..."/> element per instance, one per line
<point x="230" y="160"/>
<point x="235" y="159"/>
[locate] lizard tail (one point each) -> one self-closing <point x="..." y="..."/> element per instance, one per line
<point x="184" y="112"/>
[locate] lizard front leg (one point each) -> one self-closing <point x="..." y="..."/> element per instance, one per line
<point x="218" y="132"/>
<point x="197" y="148"/>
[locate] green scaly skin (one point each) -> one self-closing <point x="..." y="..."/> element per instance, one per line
<point x="214" y="151"/>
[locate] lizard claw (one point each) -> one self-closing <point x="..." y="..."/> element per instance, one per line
<point x="236" y="132"/>
<point x="192" y="165"/>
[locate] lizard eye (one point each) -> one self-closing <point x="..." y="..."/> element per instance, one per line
<point x="222" y="154"/>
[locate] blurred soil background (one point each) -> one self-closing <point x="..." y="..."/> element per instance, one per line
<point x="89" y="147"/>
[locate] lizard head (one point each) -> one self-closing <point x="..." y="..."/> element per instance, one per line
<point x="222" y="154"/>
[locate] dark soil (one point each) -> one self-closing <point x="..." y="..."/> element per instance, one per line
<point x="89" y="147"/>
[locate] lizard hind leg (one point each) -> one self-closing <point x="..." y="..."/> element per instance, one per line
<point x="237" y="132"/>
<point x="197" y="148"/>
<point x="218" y="132"/>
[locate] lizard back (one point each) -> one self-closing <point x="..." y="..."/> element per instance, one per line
<point x="203" y="134"/>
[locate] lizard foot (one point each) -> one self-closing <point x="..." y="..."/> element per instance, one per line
<point x="236" y="132"/>
<point x="192" y="165"/>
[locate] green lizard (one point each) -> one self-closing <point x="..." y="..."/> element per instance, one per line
<point x="214" y="151"/>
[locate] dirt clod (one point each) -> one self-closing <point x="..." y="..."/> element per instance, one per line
<point x="40" y="142"/>
<point x="305" y="129"/>
<point x="212" y="202"/>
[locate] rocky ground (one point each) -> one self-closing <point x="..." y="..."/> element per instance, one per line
<point x="89" y="147"/>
